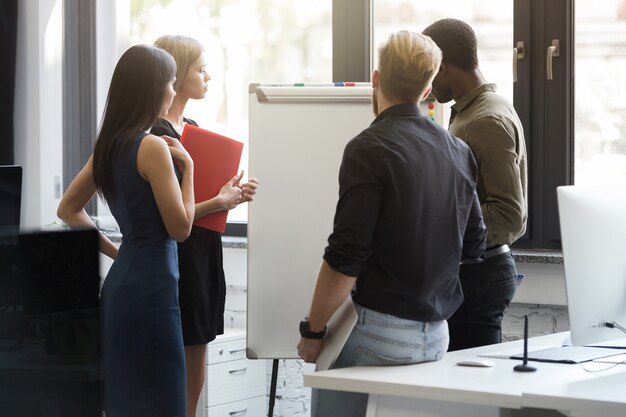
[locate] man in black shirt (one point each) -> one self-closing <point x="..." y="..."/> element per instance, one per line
<point x="407" y="216"/>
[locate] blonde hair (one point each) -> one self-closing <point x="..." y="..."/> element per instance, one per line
<point x="185" y="51"/>
<point x="407" y="64"/>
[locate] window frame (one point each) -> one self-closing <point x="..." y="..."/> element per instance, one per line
<point x="79" y="88"/>
<point x="546" y="109"/>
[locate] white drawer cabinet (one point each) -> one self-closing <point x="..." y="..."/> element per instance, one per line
<point x="235" y="386"/>
<point x="244" y="408"/>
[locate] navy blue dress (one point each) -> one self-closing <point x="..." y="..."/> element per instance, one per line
<point x="144" y="358"/>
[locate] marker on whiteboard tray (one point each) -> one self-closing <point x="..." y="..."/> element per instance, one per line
<point x="334" y="84"/>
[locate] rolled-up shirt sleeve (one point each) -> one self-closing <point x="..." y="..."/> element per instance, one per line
<point x="356" y="216"/>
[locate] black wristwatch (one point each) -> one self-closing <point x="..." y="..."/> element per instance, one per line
<point x="305" y="330"/>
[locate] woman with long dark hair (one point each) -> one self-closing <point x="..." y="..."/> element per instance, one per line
<point x="144" y="363"/>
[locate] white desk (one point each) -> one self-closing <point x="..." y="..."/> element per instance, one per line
<point x="445" y="389"/>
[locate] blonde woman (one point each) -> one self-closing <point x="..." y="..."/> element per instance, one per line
<point x="202" y="284"/>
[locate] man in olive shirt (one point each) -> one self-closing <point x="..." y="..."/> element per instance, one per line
<point x="490" y="126"/>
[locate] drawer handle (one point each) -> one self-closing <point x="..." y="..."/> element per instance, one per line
<point x="238" y="413"/>
<point x="237" y="371"/>
<point x="233" y="351"/>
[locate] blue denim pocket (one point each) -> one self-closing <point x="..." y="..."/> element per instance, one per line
<point x="366" y="357"/>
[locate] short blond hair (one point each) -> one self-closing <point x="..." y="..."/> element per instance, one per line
<point x="407" y="64"/>
<point x="185" y="51"/>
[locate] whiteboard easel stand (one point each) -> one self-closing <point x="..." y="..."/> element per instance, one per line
<point x="270" y="413"/>
<point x="290" y="124"/>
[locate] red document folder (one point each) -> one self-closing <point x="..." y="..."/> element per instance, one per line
<point x="216" y="160"/>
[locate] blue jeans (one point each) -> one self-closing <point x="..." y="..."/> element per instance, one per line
<point x="488" y="288"/>
<point x="383" y="340"/>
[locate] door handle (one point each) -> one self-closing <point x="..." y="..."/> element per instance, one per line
<point x="518" y="54"/>
<point x="552" y="52"/>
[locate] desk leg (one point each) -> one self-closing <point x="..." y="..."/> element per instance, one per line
<point x="390" y="406"/>
<point x="372" y="405"/>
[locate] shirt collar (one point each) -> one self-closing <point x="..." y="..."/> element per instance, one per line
<point x="465" y="101"/>
<point x="403" y="109"/>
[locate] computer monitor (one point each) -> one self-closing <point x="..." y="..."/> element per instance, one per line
<point x="593" y="236"/>
<point x="10" y="196"/>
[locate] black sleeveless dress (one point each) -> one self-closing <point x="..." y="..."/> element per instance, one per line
<point x="144" y="359"/>
<point x="202" y="283"/>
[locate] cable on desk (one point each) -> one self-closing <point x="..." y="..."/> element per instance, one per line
<point x="603" y="369"/>
<point x="614" y="326"/>
<point x="610" y="325"/>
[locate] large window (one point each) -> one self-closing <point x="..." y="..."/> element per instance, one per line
<point x="600" y="123"/>
<point x="245" y="41"/>
<point x="575" y="123"/>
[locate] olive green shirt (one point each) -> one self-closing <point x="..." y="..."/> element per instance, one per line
<point x="490" y="126"/>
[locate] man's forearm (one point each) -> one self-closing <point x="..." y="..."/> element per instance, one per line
<point x="331" y="289"/>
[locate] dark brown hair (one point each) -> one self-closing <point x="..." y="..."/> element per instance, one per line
<point x="457" y="42"/>
<point x="134" y="104"/>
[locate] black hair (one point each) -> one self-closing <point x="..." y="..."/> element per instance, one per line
<point x="457" y="42"/>
<point x="134" y="104"/>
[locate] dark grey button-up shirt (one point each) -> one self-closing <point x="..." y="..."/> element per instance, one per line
<point x="407" y="215"/>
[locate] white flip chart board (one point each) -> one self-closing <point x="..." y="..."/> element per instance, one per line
<point x="297" y="137"/>
<point x="296" y="142"/>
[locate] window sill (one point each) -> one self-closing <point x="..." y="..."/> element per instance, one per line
<point x="538" y="256"/>
<point x="227" y="241"/>
<point x="232" y="242"/>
